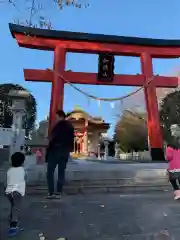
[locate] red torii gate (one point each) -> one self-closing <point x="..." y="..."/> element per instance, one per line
<point x="62" y="42"/>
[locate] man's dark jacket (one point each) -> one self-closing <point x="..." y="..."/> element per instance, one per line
<point x="62" y="137"/>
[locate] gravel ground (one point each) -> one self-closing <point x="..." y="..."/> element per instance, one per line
<point x="98" y="217"/>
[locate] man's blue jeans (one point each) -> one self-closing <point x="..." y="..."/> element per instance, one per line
<point x="56" y="157"/>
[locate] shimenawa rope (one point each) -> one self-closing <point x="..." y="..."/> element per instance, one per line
<point x="103" y="99"/>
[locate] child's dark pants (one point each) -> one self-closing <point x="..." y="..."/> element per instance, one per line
<point x="174" y="179"/>
<point x="15" y="199"/>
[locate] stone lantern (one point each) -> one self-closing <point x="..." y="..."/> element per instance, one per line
<point x="117" y="151"/>
<point x="106" y="144"/>
<point x="99" y="151"/>
<point x="18" y="98"/>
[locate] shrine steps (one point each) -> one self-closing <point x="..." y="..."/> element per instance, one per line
<point x="95" y="186"/>
<point x="89" y="178"/>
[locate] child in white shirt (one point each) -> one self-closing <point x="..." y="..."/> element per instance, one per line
<point x="15" y="190"/>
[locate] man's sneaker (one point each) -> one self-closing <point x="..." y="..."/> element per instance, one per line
<point x="51" y="196"/>
<point x="12" y="232"/>
<point x="59" y="195"/>
<point x="177" y="195"/>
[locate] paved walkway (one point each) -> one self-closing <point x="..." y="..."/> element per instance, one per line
<point x="98" y="217"/>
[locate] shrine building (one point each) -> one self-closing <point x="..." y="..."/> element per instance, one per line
<point x="88" y="131"/>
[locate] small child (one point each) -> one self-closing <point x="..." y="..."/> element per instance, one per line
<point x="15" y="190"/>
<point x="173" y="157"/>
<point x="39" y="157"/>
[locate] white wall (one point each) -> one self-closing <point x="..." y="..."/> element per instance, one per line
<point x="6" y="136"/>
<point x="136" y="155"/>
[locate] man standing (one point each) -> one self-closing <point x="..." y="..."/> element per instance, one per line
<point x="61" y="143"/>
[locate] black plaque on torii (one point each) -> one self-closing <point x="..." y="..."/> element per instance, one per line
<point x="105" y="67"/>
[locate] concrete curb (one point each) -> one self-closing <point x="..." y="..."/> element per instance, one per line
<point x="119" y="189"/>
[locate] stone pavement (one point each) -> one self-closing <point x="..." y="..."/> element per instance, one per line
<point x="98" y="217"/>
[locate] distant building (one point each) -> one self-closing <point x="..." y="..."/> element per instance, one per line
<point x="162" y="93"/>
<point x="136" y="102"/>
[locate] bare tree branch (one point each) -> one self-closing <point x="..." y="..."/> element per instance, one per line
<point x="34" y="11"/>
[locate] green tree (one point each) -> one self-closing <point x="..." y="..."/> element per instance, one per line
<point x="5" y="104"/>
<point x="131" y="132"/>
<point x="170" y="113"/>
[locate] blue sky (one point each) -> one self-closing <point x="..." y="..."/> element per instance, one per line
<point x="156" y="19"/>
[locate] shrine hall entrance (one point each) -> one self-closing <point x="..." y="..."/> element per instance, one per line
<point x="107" y="47"/>
<point x="77" y="146"/>
<point x="88" y="132"/>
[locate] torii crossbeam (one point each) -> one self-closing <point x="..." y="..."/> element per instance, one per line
<point x="62" y="42"/>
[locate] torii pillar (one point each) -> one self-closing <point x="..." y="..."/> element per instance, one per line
<point x="154" y="128"/>
<point x="57" y="90"/>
